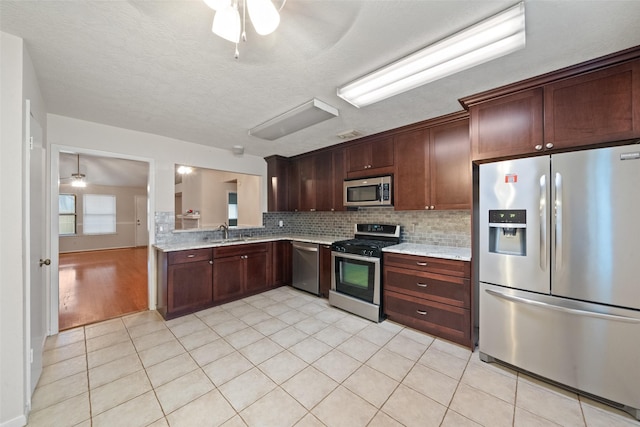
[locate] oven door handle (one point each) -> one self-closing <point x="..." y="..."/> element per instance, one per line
<point x="335" y="254"/>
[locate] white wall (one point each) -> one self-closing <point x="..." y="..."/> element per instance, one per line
<point x="165" y="152"/>
<point x="18" y="82"/>
<point x="125" y="235"/>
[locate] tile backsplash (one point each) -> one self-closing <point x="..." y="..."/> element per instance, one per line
<point x="442" y="228"/>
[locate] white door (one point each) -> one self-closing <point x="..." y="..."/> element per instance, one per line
<point x="37" y="250"/>
<point x="142" y="232"/>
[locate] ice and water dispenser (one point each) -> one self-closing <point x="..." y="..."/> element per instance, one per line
<point x="508" y="232"/>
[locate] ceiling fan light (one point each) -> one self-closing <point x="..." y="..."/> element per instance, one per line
<point x="78" y="180"/>
<point x="226" y="23"/>
<point x="264" y="16"/>
<point x="217" y="4"/>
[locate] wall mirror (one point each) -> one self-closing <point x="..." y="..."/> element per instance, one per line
<point x="207" y="198"/>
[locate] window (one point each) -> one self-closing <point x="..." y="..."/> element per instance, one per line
<point x="233" y="209"/>
<point x="67" y="214"/>
<point x="99" y="214"/>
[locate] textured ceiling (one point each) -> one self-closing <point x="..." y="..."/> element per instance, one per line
<point x="103" y="170"/>
<point x="155" y="66"/>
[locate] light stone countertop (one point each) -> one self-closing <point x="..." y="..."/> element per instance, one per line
<point x="447" y="252"/>
<point x="184" y="246"/>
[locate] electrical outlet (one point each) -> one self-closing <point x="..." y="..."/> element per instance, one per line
<point x="281" y="223"/>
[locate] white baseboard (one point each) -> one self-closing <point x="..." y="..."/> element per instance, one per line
<point x="19" y="421"/>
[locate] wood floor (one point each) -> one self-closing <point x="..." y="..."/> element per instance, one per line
<point x="99" y="285"/>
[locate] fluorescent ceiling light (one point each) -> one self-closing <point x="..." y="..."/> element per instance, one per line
<point x="307" y="114"/>
<point x="490" y="39"/>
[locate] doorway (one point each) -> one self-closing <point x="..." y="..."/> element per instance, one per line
<point x="103" y="238"/>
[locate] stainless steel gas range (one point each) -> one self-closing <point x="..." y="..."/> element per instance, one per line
<point x="356" y="269"/>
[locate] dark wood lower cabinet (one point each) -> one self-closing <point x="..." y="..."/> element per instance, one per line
<point x="325" y="270"/>
<point x="228" y="278"/>
<point x="185" y="282"/>
<point x="429" y="294"/>
<point x="281" y="264"/>
<point x="192" y="280"/>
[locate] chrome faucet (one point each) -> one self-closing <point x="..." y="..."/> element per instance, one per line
<point x="225" y="230"/>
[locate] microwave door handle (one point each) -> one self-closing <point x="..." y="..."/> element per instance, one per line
<point x="379" y="191"/>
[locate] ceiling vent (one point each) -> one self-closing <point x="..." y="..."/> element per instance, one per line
<point x="350" y="134"/>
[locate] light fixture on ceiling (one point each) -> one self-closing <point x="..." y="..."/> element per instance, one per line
<point x="238" y="150"/>
<point x="227" y="23"/>
<point x="490" y="39"/>
<point x="78" y="179"/>
<point x="303" y="116"/>
<point x="185" y="170"/>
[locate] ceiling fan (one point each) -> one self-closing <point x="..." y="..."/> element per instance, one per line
<point x="77" y="179"/>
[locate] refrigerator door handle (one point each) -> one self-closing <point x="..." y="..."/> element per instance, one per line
<point x="543" y="222"/>
<point x="557" y="206"/>
<point x="541" y="304"/>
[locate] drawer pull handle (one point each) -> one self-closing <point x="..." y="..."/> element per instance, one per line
<point x="421" y="312"/>
<point x="421" y="264"/>
<point x="422" y="285"/>
<point x="191" y="256"/>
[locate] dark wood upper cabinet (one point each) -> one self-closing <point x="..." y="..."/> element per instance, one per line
<point x="277" y="183"/>
<point x="411" y="189"/>
<point x="294" y="185"/>
<point x="370" y="158"/>
<point x="597" y="107"/>
<point x="595" y="103"/>
<point x="450" y="165"/>
<point x="306" y="183"/>
<point x="433" y="166"/>
<point x="323" y="167"/>
<point x="507" y="126"/>
<point x="339" y="174"/>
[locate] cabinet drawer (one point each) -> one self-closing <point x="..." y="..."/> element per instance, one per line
<point x="181" y="257"/>
<point x="241" y="249"/>
<point x="437" y="287"/>
<point x="427" y="264"/>
<point x="452" y="323"/>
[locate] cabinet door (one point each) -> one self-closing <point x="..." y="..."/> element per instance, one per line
<point x="281" y="266"/>
<point x="450" y="166"/>
<point x="507" y="126"/>
<point x="358" y="157"/>
<point x="339" y="174"/>
<point x="325" y="270"/>
<point x="306" y="181"/>
<point x="294" y="185"/>
<point x="602" y="106"/>
<point x="382" y="153"/>
<point x="188" y="287"/>
<point x="277" y="177"/>
<point x="256" y="271"/>
<point x="228" y="278"/>
<point x="323" y="167"/>
<point x="411" y="185"/>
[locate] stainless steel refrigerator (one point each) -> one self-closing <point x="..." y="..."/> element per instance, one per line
<point x="559" y="269"/>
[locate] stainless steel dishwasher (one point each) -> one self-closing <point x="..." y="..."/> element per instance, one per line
<point x="305" y="267"/>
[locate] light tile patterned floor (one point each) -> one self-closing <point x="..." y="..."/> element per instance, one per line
<point x="285" y="358"/>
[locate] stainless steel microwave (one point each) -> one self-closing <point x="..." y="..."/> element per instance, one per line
<point x="375" y="191"/>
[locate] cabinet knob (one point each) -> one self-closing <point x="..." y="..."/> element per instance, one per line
<point x="421" y="312"/>
<point x="549" y="145"/>
<point x="432" y="207"/>
<point x="211" y="261"/>
<point x="191" y="256"/>
<point x="312" y="210"/>
<point x="538" y="147"/>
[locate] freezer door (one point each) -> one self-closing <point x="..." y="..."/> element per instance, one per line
<point x="589" y="347"/>
<point x="596" y="230"/>
<point x="515" y="254"/>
